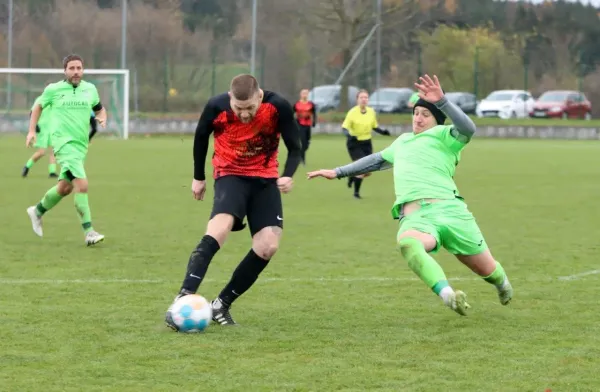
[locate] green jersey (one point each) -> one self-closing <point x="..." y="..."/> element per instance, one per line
<point x="424" y="165"/>
<point x="70" y="119"/>
<point x="44" y="117"/>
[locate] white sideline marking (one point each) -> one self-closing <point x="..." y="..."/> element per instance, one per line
<point x="8" y="281"/>
<point x="580" y="275"/>
<point x="77" y="281"/>
<point x="158" y="281"/>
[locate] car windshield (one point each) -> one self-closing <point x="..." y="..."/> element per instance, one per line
<point x="500" y="96"/>
<point x="324" y="92"/>
<point x="553" y="97"/>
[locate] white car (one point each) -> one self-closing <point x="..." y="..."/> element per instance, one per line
<point x="506" y="104"/>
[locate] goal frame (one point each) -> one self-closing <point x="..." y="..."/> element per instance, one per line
<point x="90" y="71"/>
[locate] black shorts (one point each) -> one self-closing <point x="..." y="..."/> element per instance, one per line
<point x="359" y="149"/>
<point x="259" y="199"/>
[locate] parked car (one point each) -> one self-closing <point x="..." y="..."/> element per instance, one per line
<point x="390" y="99"/>
<point x="506" y="104"/>
<point x="327" y="97"/>
<point x="562" y="104"/>
<point x="466" y="101"/>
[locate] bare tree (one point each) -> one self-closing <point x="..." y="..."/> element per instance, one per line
<point x="344" y="24"/>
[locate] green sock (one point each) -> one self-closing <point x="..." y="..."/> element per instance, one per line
<point x="50" y="199"/>
<point x="29" y="163"/>
<point x="423" y="265"/>
<point x="52" y="168"/>
<point x="82" y="206"/>
<point x="497" y="277"/>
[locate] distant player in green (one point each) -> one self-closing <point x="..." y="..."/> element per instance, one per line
<point x="70" y="101"/>
<point x="413" y="99"/>
<point x="42" y="144"/>
<point x="432" y="214"/>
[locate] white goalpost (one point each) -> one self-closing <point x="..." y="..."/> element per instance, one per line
<point x="20" y="86"/>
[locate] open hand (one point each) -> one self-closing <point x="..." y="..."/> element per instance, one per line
<point x="430" y="89"/>
<point x="325" y="173"/>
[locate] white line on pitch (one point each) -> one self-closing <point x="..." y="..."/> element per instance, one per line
<point x="580" y="275"/>
<point x="158" y="281"/>
<point x="16" y="281"/>
<point x="77" y="281"/>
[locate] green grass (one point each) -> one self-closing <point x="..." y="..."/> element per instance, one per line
<point x="336" y="310"/>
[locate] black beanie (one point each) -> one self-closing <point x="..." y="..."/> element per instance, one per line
<point x="439" y="116"/>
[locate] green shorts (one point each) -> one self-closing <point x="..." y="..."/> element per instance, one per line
<point x="451" y="223"/>
<point x="43" y="140"/>
<point x="71" y="162"/>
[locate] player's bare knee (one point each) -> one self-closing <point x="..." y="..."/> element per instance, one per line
<point x="266" y="242"/>
<point x="219" y="227"/>
<point x="413" y="239"/>
<point x="80" y="185"/>
<point x="64" y="188"/>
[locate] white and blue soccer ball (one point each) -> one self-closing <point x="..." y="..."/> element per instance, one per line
<point x="191" y="313"/>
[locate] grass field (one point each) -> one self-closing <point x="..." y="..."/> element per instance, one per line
<point x="337" y="309"/>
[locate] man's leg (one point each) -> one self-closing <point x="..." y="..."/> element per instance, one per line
<point x="34" y="158"/>
<point x="358" y="151"/>
<point x="82" y="206"/>
<point x="52" y="197"/>
<point x="466" y="242"/>
<point x="52" y="164"/>
<point x="265" y="218"/>
<point x="229" y="210"/>
<point x="304" y="140"/>
<point x="72" y="169"/>
<point x="416" y="239"/>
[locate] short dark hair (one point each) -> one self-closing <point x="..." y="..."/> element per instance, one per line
<point x="71" y="57"/>
<point x="244" y="87"/>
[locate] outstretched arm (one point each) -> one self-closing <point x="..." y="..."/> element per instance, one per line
<point x="380" y="131"/>
<point x="464" y="128"/>
<point x="368" y="164"/>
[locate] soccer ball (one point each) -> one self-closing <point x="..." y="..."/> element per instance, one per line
<point x="191" y="313"/>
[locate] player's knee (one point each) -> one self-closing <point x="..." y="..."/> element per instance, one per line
<point x="64" y="188"/>
<point x="266" y="242"/>
<point x="409" y="248"/>
<point x="80" y="185"/>
<point x="408" y="245"/>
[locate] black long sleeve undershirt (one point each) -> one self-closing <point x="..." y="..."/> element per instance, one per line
<point x="202" y="139"/>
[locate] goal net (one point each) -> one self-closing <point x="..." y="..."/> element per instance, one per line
<point x="19" y="87"/>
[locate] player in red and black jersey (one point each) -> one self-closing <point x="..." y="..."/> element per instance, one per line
<point x="306" y="115"/>
<point x="247" y="124"/>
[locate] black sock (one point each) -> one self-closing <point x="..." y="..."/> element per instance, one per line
<point x="243" y="277"/>
<point x="357" y="184"/>
<point x="198" y="264"/>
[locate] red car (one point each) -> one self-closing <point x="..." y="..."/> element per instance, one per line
<point x="562" y="104"/>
